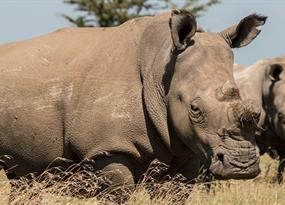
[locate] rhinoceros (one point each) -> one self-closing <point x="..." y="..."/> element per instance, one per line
<point x="264" y="83"/>
<point x="152" y="88"/>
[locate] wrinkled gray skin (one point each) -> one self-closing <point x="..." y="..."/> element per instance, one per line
<point x="150" y="88"/>
<point x="265" y="83"/>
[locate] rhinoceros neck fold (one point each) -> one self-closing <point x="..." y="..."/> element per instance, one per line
<point x="153" y="59"/>
<point x="151" y="44"/>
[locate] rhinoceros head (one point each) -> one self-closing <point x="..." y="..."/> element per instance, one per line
<point x="273" y="86"/>
<point x="204" y="106"/>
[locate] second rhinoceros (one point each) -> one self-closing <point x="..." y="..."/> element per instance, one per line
<point x="154" y="87"/>
<point x="264" y="83"/>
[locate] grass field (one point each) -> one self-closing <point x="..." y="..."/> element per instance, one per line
<point x="262" y="190"/>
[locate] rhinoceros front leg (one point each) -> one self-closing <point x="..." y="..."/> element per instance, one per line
<point x="192" y="170"/>
<point x="118" y="172"/>
<point x="188" y="167"/>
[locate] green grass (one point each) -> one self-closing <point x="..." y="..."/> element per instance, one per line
<point x="262" y="190"/>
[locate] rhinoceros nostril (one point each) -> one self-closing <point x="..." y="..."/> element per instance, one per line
<point x="220" y="157"/>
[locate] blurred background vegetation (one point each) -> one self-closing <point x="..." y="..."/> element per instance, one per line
<point x="115" y="12"/>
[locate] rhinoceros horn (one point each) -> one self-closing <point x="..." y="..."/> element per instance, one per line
<point x="246" y="113"/>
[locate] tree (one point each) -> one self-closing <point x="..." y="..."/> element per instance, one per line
<point x="114" y="12"/>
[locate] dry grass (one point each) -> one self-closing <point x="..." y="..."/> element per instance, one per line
<point x="260" y="191"/>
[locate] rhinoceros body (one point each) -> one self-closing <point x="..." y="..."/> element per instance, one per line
<point x="67" y="91"/>
<point x="123" y="96"/>
<point x="264" y="83"/>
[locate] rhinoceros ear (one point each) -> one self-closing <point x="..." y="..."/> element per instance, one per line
<point x="275" y="71"/>
<point x="183" y="26"/>
<point x="243" y="33"/>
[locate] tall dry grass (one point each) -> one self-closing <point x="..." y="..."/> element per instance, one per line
<point x="262" y="190"/>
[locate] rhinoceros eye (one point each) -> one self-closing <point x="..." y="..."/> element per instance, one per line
<point x="196" y="115"/>
<point x="195" y="108"/>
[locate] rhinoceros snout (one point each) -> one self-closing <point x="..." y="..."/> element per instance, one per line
<point x="243" y="166"/>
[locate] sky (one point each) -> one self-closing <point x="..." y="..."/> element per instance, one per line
<point x="24" y="19"/>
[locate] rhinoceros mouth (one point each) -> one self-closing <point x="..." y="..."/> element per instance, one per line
<point x="229" y="169"/>
<point x="235" y="162"/>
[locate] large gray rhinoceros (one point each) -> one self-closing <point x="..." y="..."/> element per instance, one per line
<point x="264" y="82"/>
<point x="153" y="87"/>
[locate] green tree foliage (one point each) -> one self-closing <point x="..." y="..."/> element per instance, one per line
<point x="114" y="12"/>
